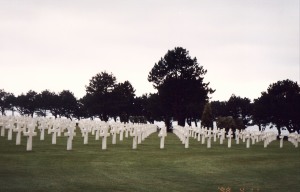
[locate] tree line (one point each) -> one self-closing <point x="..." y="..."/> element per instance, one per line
<point x="182" y="95"/>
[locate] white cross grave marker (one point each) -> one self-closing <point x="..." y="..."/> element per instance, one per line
<point x="85" y="132"/>
<point x="203" y="132"/>
<point x="104" y="134"/>
<point x="134" y="134"/>
<point x="247" y="136"/>
<point x="10" y="126"/>
<point x="54" y="131"/>
<point x="30" y="133"/>
<point x="113" y="131"/>
<point x="229" y="136"/>
<point x="237" y="139"/>
<point x="281" y="141"/>
<point x="70" y="134"/>
<point x="209" y="138"/>
<point x="42" y="128"/>
<point x="19" y="129"/>
<point x="162" y="134"/>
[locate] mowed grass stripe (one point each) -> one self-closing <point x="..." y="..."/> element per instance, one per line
<point x="119" y="168"/>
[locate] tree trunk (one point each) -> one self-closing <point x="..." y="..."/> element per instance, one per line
<point x="181" y="120"/>
<point x="189" y="121"/>
<point x="168" y="124"/>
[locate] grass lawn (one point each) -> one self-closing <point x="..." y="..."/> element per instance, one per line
<point x="88" y="168"/>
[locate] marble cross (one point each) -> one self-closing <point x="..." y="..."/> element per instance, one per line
<point x="113" y="131"/>
<point x="134" y="134"/>
<point x="42" y="128"/>
<point x="19" y="129"/>
<point x="281" y="141"/>
<point x="70" y="134"/>
<point x="162" y="134"/>
<point x="237" y="135"/>
<point x="229" y="136"/>
<point x="204" y="132"/>
<point x="85" y="132"/>
<point x="209" y="138"/>
<point x="30" y="133"/>
<point x="10" y="126"/>
<point x="54" y="131"/>
<point x="104" y="134"/>
<point x="186" y="138"/>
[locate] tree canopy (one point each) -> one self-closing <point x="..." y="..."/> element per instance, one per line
<point x="179" y="81"/>
<point x="106" y="98"/>
<point x="280" y="105"/>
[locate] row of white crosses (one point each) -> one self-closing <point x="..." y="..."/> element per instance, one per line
<point x="248" y="137"/>
<point x="138" y="131"/>
<point x="183" y="133"/>
<point x="204" y="134"/>
<point x="254" y="137"/>
<point x="28" y="127"/>
<point x="294" y="138"/>
<point x="59" y="127"/>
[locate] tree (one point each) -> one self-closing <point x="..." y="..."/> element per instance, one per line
<point x="99" y="95"/>
<point x="207" y="117"/>
<point x="68" y="103"/>
<point x="123" y="99"/>
<point x="261" y="113"/>
<point x="7" y="101"/>
<point x="45" y="101"/>
<point x="80" y="110"/>
<point x="280" y="105"/>
<point x="101" y="83"/>
<point x="56" y="105"/>
<point x="27" y="104"/>
<point x="238" y="107"/>
<point x="226" y="122"/>
<point x="149" y="106"/>
<point x="10" y="102"/>
<point x="179" y="81"/>
<point x="219" y="108"/>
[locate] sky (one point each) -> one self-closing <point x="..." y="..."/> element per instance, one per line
<point x="245" y="45"/>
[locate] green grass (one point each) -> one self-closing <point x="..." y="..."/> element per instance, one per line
<point x="88" y="168"/>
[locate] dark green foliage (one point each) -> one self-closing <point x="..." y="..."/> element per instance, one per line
<point x="280" y="105"/>
<point x="27" y="104"/>
<point x="138" y="119"/>
<point x="101" y="84"/>
<point x="123" y="100"/>
<point x="239" y="108"/>
<point x="219" y="108"/>
<point x="179" y="81"/>
<point x="99" y="94"/>
<point x="45" y="101"/>
<point x="105" y="98"/>
<point x="68" y="104"/>
<point x="148" y="106"/>
<point x="234" y="113"/>
<point x="230" y="123"/>
<point x="207" y="117"/>
<point x="7" y="101"/>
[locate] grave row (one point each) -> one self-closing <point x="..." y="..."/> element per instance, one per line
<point x="203" y="134"/>
<point x="65" y="127"/>
<point x="30" y="127"/>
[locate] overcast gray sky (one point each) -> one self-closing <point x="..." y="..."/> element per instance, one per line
<point x="245" y="45"/>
